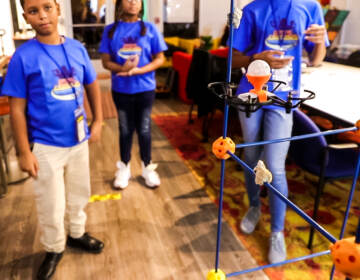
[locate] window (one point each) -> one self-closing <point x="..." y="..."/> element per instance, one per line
<point x="88" y="17"/>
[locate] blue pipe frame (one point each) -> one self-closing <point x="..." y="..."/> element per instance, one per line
<point x="269" y="186"/>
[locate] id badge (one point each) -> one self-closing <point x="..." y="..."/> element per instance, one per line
<point x="80" y="123"/>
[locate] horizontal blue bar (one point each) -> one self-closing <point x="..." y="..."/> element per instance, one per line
<point x="298" y="137"/>
<point x="279" y="264"/>
<point x="305" y="216"/>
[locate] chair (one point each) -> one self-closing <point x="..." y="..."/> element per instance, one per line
<point x="315" y="155"/>
<point x="181" y="63"/>
<point x="204" y="69"/>
<point x="354" y="59"/>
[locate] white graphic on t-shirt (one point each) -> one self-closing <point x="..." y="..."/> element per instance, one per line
<point x="64" y="88"/>
<point x="130" y="48"/>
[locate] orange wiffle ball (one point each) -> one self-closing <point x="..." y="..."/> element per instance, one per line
<point x="221" y="146"/>
<point x="346" y="256"/>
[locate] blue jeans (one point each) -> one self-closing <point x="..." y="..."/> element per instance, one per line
<point x="266" y="124"/>
<point x="134" y="113"/>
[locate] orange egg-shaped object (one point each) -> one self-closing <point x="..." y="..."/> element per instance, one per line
<point x="221" y="146"/>
<point x="357" y="124"/>
<point x="346" y="257"/>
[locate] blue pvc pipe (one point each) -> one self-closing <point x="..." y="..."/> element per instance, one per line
<point x="279" y="264"/>
<point x="225" y="127"/>
<point x="231" y="37"/>
<point x="351" y="195"/>
<point x="357" y="237"/>
<point x="298" y="137"/>
<point x="305" y="216"/>
<point x="218" y="238"/>
<point x="229" y="66"/>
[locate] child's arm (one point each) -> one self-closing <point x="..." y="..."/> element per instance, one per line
<point x="153" y="65"/>
<point x="316" y="34"/>
<point x="27" y="160"/>
<point x="272" y="57"/>
<point x="93" y="92"/>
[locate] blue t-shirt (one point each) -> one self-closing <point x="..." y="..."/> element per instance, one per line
<point x="128" y="41"/>
<point x="33" y="74"/>
<point x="263" y="28"/>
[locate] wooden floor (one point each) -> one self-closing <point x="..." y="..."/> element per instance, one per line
<point x="163" y="234"/>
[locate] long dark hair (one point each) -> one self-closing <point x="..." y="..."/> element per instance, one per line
<point x="118" y="15"/>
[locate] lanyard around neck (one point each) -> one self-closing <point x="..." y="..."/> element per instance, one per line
<point x="281" y="34"/>
<point x="60" y="68"/>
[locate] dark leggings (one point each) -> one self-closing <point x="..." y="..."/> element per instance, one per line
<point x="134" y="112"/>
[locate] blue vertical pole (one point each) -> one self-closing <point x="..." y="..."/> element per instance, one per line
<point x="351" y="195"/>
<point x="226" y="114"/>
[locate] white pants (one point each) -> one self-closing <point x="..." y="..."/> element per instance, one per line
<point x="62" y="190"/>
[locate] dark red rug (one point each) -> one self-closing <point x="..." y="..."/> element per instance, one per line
<point x="186" y="139"/>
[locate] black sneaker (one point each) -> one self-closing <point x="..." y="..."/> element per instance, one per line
<point x="86" y="243"/>
<point x="48" y="266"/>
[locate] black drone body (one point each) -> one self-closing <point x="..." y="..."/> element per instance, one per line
<point x="249" y="102"/>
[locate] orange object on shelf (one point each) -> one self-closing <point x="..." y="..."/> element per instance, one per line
<point x="258" y="83"/>
<point x="4" y="105"/>
<point x="357" y="124"/>
<point x="221" y="146"/>
<point x="346" y="256"/>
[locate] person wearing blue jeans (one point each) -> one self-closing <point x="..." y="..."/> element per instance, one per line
<point x="132" y="50"/>
<point x="134" y="112"/>
<point x="268" y="125"/>
<point x="275" y="31"/>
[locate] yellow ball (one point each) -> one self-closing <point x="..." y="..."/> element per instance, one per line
<point x="218" y="275"/>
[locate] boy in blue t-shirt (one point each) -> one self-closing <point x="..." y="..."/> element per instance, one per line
<point x="45" y="82"/>
<point x="275" y="31"/>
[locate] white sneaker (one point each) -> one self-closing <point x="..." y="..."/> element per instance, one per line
<point x="150" y="175"/>
<point x="122" y="175"/>
<point x="250" y="220"/>
<point x="277" y="250"/>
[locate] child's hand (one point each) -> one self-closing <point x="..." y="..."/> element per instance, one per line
<point x="131" y="62"/>
<point x="29" y="164"/>
<point x="131" y="72"/>
<point x="315" y="33"/>
<point x="274" y="59"/>
<point x="95" y="130"/>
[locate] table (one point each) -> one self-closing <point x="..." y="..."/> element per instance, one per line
<point x="337" y="89"/>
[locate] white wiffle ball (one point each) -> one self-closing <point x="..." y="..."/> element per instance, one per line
<point x="258" y="68"/>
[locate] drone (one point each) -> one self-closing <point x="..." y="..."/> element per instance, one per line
<point x="258" y="97"/>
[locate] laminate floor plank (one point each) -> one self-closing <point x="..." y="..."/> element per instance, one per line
<point x="167" y="233"/>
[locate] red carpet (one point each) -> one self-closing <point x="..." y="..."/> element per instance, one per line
<point x="186" y="139"/>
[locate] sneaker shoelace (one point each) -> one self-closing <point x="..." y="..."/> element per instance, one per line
<point x="121" y="170"/>
<point x="276" y="243"/>
<point x="151" y="166"/>
<point x="253" y="214"/>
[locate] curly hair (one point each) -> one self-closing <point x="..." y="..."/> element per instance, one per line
<point x="119" y="14"/>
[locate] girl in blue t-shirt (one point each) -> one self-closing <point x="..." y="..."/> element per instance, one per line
<point x="132" y="49"/>
<point x="275" y="31"/>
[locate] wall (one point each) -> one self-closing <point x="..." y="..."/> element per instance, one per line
<point x="155" y="13"/>
<point x="213" y="17"/>
<point x="64" y="18"/>
<point x="350" y="31"/>
<point x="6" y="23"/>
<point x="179" y="11"/>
